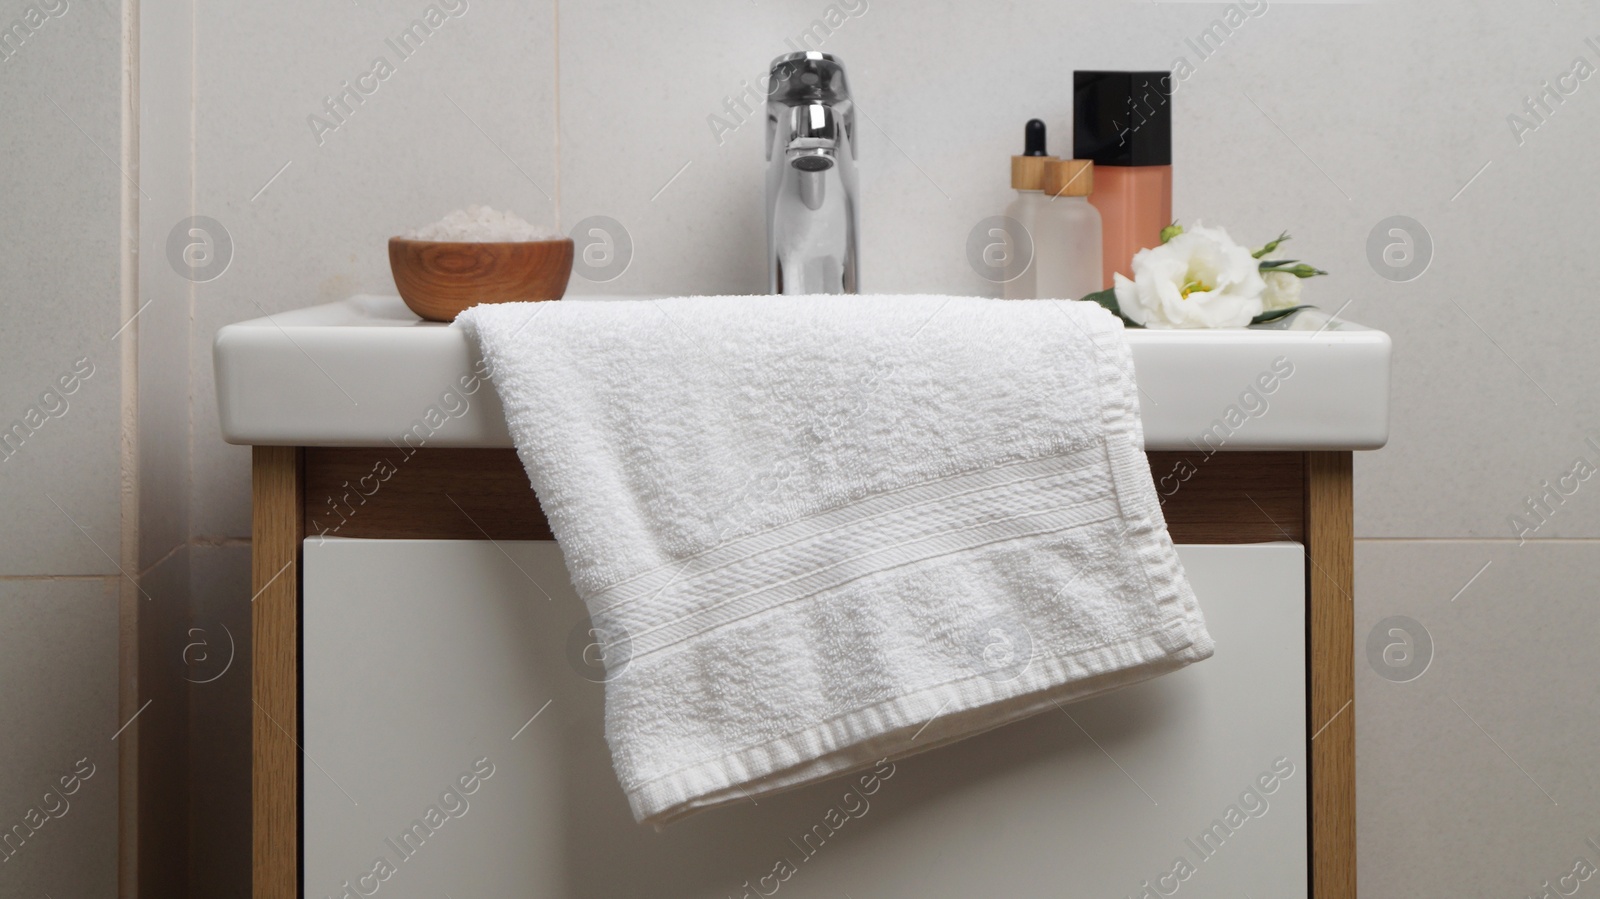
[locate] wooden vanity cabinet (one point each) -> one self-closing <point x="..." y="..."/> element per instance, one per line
<point x="301" y="493"/>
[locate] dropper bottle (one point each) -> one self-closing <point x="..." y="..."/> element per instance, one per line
<point x="1027" y="177"/>
<point x="1068" y="255"/>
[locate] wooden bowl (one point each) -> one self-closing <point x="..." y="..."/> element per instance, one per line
<point x="440" y="279"/>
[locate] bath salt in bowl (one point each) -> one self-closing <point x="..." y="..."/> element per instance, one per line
<point x="480" y="224"/>
<point x="478" y="255"/>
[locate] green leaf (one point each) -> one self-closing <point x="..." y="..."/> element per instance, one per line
<point x="1276" y="314"/>
<point x="1299" y="271"/>
<point x="1108" y="299"/>
<point x="1271" y="245"/>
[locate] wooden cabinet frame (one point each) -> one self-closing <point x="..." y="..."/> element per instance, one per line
<point x="483" y="494"/>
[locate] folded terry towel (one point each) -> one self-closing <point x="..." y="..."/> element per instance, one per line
<point x="816" y="532"/>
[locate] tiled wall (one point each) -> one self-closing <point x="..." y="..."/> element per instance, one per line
<point x="1322" y="118"/>
<point x="61" y="532"/>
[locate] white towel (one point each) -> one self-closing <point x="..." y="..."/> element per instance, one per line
<point x="815" y="532"/>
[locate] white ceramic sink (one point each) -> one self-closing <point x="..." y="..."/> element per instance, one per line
<point x="365" y="371"/>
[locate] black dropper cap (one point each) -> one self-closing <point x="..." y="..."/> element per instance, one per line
<point x="1122" y="118"/>
<point x="1033" y="138"/>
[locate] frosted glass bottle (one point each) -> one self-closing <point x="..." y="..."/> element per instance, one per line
<point x="1027" y="177"/>
<point x="1024" y="210"/>
<point x="1066" y="234"/>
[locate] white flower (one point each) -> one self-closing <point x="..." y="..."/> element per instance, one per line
<point x="1283" y="291"/>
<point x="1199" y="279"/>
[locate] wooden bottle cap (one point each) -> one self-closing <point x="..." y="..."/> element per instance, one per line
<point x="1027" y="172"/>
<point x="1069" y="178"/>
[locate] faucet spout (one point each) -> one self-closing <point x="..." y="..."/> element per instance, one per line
<point x="811" y="177"/>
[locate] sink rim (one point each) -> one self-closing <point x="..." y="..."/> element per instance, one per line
<point x="273" y="374"/>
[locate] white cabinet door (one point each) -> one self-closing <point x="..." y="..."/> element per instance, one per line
<point x="433" y="664"/>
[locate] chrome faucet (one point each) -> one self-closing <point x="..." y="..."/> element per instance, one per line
<point x="811" y="177"/>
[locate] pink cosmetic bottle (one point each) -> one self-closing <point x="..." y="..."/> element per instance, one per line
<point x="1123" y="122"/>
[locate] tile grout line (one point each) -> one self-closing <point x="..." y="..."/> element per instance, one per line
<point x="128" y="605"/>
<point x="1464" y="540"/>
<point x="24" y="578"/>
<point x="555" y="9"/>
<point x="191" y="291"/>
<point x="128" y="300"/>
